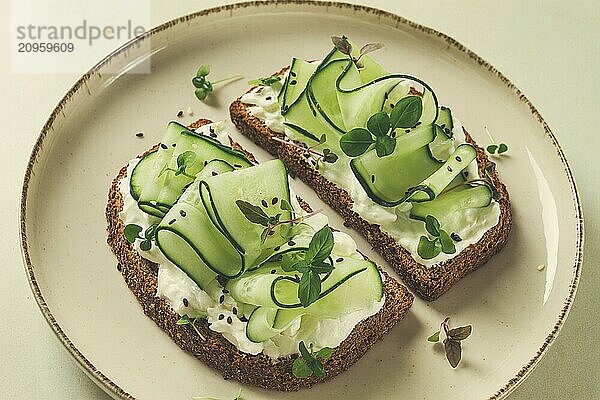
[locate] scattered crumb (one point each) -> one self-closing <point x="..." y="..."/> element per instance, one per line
<point x="140" y="134"/>
<point x="180" y="113"/>
<point x="190" y="111"/>
<point x="541" y="267"/>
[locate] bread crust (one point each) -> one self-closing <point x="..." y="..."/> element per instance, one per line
<point x="428" y="282"/>
<point x="258" y="370"/>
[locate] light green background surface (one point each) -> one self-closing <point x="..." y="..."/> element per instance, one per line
<point x="549" y="49"/>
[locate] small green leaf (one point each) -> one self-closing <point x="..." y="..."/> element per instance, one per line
<point x="330" y="157"/>
<point x="201" y="94"/>
<point x="317" y="368"/>
<point x="371" y="47"/>
<point x="379" y="124"/>
<point x="385" y="145"/>
<point x="264" y="235"/>
<point x="184" y="320"/>
<point x="300" y="369"/>
<point x="356" y="142"/>
<point x="324" y="353"/>
<point x="131" y="232"/>
<point x="145" y="245"/>
<point x="321" y="267"/>
<point x="271" y="80"/>
<point x="309" y="288"/>
<point x="502" y="148"/>
<point x="253" y="213"/>
<point x="407" y="112"/>
<point x="447" y="243"/>
<point x="299" y="265"/>
<point x="286" y="206"/>
<point x="492" y="148"/>
<point x="150" y="231"/>
<point x="453" y="351"/>
<point x="304" y="351"/>
<point x="186" y="159"/>
<point x="342" y="44"/>
<point x="460" y="333"/>
<point x="434" y="338"/>
<point x="322" y="139"/>
<point x="432" y="225"/>
<point x="428" y="249"/>
<point x="203" y="70"/>
<point x="320" y="245"/>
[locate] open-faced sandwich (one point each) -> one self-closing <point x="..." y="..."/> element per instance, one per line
<point x="239" y="271"/>
<point x="380" y="149"/>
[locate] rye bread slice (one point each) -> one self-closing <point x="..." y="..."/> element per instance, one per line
<point x="428" y="282"/>
<point x="214" y="350"/>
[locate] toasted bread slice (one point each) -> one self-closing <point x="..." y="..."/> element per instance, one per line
<point x="212" y="348"/>
<point x="428" y="282"/>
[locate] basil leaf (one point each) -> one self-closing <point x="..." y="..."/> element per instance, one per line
<point x="432" y="225"/>
<point x="379" y="124"/>
<point x="453" y="351"/>
<point x="131" y="232"/>
<point x="300" y="369"/>
<point x="356" y="142"/>
<point x="320" y="245"/>
<point x="428" y="249"/>
<point x="253" y="213"/>
<point x="447" y="243"/>
<point x="309" y="288"/>
<point x="186" y="159"/>
<point x="385" y="145"/>
<point x="324" y="353"/>
<point x="460" y="333"/>
<point x="434" y="338"/>
<point x="342" y="44"/>
<point x="406" y="112"/>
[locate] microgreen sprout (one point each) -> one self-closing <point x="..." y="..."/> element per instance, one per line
<point x="441" y="242"/>
<point x="204" y="87"/>
<point x="326" y="156"/>
<point x="185" y="320"/>
<point x="132" y="232"/>
<point x="452" y="340"/>
<point x="269" y="81"/>
<point x="495" y="148"/>
<point x="310" y="362"/>
<point x="184" y="161"/>
<point x="343" y="45"/>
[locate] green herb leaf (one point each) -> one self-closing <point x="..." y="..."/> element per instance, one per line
<point x="145" y="245"/>
<point x="492" y="148"/>
<point x="371" y="47"/>
<point x="434" y="338"/>
<point x="428" y="249"/>
<point x="330" y="157"/>
<point x="460" y="333"/>
<point x="301" y="266"/>
<point x="406" y="112"/>
<point x="321" y="267"/>
<point x="253" y="213"/>
<point x="201" y="94"/>
<point x="342" y="44"/>
<point x="300" y="368"/>
<point x="502" y="148"/>
<point x="318" y="368"/>
<point x="447" y="243"/>
<point x="453" y="351"/>
<point x="385" y="145"/>
<point x="309" y="288"/>
<point x="324" y="353"/>
<point x="379" y="124"/>
<point x="203" y="70"/>
<point x="186" y="159"/>
<point x="285" y="205"/>
<point x="271" y="80"/>
<point x="304" y="351"/>
<point x="356" y="142"/>
<point x="322" y="139"/>
<point x="432" y="225"/>
<point x="184" y="320"/>
<point x="320" y="245"/>
<point x="264" y="235"/>
<point x="132" y="232"/>
<point x="150" y="231"/>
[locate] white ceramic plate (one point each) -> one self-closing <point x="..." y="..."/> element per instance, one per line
<point x="515" y="309"/>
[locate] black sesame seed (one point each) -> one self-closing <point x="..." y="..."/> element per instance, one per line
<point x="372" y="178"/>
<point x="465" y="173"/>
<point x="292" y="73"/>
<point x="457" y="158"/>
<point x="225" y="291"/>
<point x="243" y="319"/>
<point x="221" y="316"/>
<point x="180" y="113"/>
<point x="222" y="299"/>
<point x="237" y="165"/>
<point x="213" y="135"/>
<point x="293" y="82"/>
<point x="418" y="123"/>
<point x="443" y="126"/>
<point x="119" y="267"/>
<point x="268" y="98"/>
<point x="213" y="173"/>
<point x="277" y="248"/>
<point x="455" y="237"/>
<point x="182" y="213"/>
<point x="229" y="320"/>
<point x="174" y="145"/>
<point x="394" y="134"/>
<point x="407" y="130"/>
<point x="140" y="134"/>
<point x="205" y="162"/>
<point x="291" y="243"/>
<point x="273" y="271"/>
<point x="274" y="201"/>
<point x="186" y="302"/>
<point x="171" y="222"/>
<point x="339" y="259"/>
<point x="449" y="168"/>
<point x="164" y="146"/>
<point x="443" y="108"/>
<point x="234" y="310"/>
<point x="264" y="203"/>
<point x="391" y="106"/>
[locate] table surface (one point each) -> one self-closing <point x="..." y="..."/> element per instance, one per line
<point x="548" y="49"/>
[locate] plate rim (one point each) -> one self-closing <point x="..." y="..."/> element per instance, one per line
<point x="116" y="391"/>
